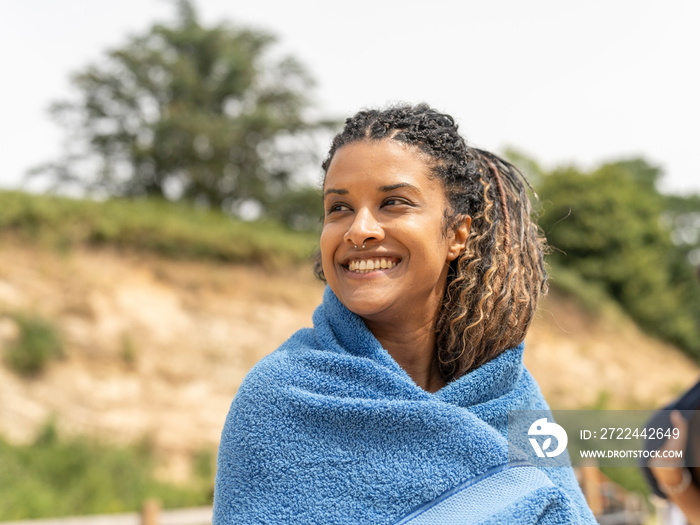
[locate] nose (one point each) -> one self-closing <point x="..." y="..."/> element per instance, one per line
<point x="365" y="227"/>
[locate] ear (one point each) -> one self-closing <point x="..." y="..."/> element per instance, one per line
<point x="458" y="242"/>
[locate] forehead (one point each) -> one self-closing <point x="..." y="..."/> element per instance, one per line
<point x="379" y="163"/>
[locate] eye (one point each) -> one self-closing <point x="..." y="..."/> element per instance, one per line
<point x="336" y="207"/>
<point x="396" y="201"/>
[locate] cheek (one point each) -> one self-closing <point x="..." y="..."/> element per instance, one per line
<point x="433" y="243"/>
<point x="328" y="246"/>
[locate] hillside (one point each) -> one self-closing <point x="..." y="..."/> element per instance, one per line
<point x="157" y="348"/>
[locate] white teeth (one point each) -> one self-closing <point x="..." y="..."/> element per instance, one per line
<point x="368" y="265"/>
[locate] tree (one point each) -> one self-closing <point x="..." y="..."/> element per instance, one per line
<point x="682" y="213"/>
<point x="608" y="226"/>
<point x="187" y="111"/>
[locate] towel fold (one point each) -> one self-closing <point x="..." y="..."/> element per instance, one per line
<point x="330" y="429"/>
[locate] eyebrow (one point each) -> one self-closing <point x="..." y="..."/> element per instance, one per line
<point x="336" y="192"/>
<point x="383" y="189"/>
<point x="392" y="187"/>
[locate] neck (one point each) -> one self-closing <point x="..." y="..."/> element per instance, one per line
<point x="413" y="348"/>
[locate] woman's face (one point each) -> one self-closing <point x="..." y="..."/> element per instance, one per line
<point x="382" y="195"/>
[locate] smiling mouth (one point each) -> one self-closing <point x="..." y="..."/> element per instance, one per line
<point x="370" y="265"/>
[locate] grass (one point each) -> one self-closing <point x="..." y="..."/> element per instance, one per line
<point x="55" y="477"/>
<point x="156" y="226"/>
<point x="38" y="343"/>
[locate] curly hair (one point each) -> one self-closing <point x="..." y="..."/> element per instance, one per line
<point x="494" y="286"/>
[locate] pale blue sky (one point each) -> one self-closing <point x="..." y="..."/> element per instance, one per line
<point x="563" y="81"/>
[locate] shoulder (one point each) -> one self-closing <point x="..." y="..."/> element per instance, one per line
<point x="281" y="365"/>
<point x="303" y="367"/>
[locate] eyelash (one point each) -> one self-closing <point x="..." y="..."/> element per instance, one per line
<point x="396" y="200"/>
<point x="335" y="207"/>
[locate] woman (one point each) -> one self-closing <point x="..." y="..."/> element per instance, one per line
<point x="676" y="479"/>
<point x="393" y="408"/>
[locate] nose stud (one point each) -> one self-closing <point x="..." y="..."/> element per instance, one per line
<point x="364" y="244"/>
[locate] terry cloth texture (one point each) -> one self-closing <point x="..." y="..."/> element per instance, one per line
<point x="330" y="429"/>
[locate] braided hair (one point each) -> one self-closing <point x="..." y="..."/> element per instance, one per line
<point x="494" y="286"/>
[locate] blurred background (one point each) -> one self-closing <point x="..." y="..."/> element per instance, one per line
<point x="159" y="206"/>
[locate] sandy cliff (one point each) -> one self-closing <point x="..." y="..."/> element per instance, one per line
<point x="157" y="348"/>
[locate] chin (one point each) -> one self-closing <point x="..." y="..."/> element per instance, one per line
<point x="366" y="305"/>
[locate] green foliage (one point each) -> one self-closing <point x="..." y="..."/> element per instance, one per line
<point x="591" y="296"/>
<point x="629" y="478"/>
<point x="682" y="215"/>
<point x="602" y="401"/>
<point x="175" y="230"/>
<point x="38" y="343"/>
<point x="188" y="111"/>
<point x="300" y="208"/>
<point x="59" y="477"/>
<point x="607" y="226"/>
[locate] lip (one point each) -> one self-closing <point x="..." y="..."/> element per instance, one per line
<point x="369" y="254"/>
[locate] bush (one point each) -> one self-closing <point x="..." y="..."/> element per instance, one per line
<point x="38" y="343"/>
<point x="57" y="476"/>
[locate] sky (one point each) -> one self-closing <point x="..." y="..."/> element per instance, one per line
<point x="563" y="82"/>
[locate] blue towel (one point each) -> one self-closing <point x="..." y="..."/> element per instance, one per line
<point x="330" y="429"/>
